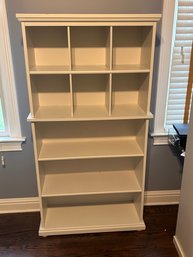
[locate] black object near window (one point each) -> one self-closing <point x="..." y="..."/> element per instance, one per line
<point x="177" y="141"/>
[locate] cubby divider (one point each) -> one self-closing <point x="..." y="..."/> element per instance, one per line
<point x="71" y="96"/>
<point x="110" y="95"/>
<point x="69" y="48"/>
<point x="111" y="47"/>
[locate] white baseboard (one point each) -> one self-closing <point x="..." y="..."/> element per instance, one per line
<point x="16" y="205"/>
<point x="178" y="247"/>
<point x="31" y="204"/>
<point x="163" y="197"/>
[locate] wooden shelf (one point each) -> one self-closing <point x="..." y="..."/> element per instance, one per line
<point x="130" y="68"/>
<point x="83" y="69"/>
<point x="99" y="148"/>
<point x="130" y="111"/>
<point x="91" y="112"/>
<point x="52" y="113"/>
<point x="63" y="114"/>
<point x="90" y="68"/>
<point x="90" y="183"/>
<point x="49" y="69"/>
<point x="91" y="218"/>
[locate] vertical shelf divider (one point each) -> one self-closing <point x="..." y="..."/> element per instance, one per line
<point x="70" y="75"/>
<point x="71" y="95"/>
<point x="69" y="48"/>
<point x="111" y="48"/>
<point x="110" y="75"/>
<point x="110" y="94"/>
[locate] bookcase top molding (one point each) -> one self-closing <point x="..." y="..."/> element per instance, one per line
<point x="87" y="17"/>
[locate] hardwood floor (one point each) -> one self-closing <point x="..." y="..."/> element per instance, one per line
<point x="19" y="238"/>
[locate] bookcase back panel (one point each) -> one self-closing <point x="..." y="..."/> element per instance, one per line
<point x="90" y="89"/>
<point x="52" y="90"/>
<point x="47" y="46"/>
<point x="89" y="175"/>
<point x="90" y="129"/>
<point x="130" y="89"/>
<point x="90" y="46"/>
<point x="128" y="45"/>
<point x="91" y="165"/>
<point x="90" y="199"/>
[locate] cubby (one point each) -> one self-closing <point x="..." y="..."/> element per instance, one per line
<point x="47" y="48"/>
<point x="132" y="47"/>
<point x="91" y="95"/>
<point x="90" y="47"/>
<point x="130" y="94"/>
<point x="89" y="82"/>
<point x="51" y="96"/>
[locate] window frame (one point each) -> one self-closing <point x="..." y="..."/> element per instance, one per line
<point x="167" y="40"/>
<point x="12" y="140"/>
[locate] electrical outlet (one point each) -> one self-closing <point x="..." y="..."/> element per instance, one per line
<point x="3" y="161"/>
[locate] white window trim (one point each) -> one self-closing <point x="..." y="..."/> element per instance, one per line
<point x="14" y="140"/>
<point x="167" y="39"/>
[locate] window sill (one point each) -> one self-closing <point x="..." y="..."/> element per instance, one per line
<point x="11" y="144"/>
<point x="159" y="139"/>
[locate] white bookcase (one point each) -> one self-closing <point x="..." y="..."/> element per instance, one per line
<point x="89" y="83"/>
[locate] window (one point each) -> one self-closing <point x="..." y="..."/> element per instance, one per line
<point x="180" y="64"/>
<point x="176" y="42"/>
<point x="2" y="112"/>
<point x="10" y="131"/>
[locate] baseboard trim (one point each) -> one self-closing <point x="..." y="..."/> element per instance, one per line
<point x="163" y="197"/>
<point x="31" y="204"/>
<point x="19" y="205"/>
<point x="178" y="247"/>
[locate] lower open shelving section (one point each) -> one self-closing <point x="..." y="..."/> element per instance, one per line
<point x="91" y="175"/>
<point x="91" y="218"/>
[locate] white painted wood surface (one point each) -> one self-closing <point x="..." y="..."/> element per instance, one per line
<point x="89" y="83"/>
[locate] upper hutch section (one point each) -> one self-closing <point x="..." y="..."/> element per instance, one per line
<point x="99" y="63"/>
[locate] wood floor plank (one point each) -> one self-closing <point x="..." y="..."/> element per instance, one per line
<point x="19" y="237"/>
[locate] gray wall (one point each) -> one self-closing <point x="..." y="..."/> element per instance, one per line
<point x="18" y="178"/>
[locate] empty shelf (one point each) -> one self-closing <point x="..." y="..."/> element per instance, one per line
<point x="90" y="68"/>
<point x="90" y="183"/>
<point x="49" y="69"/>
<point x="51" y="113"/>
<point x="98" y="148"/>
<point x="91" y="112"/>
<point x="137" y="68"/>
<point x="130" y="111"/>
<point x="91" y="218"/>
